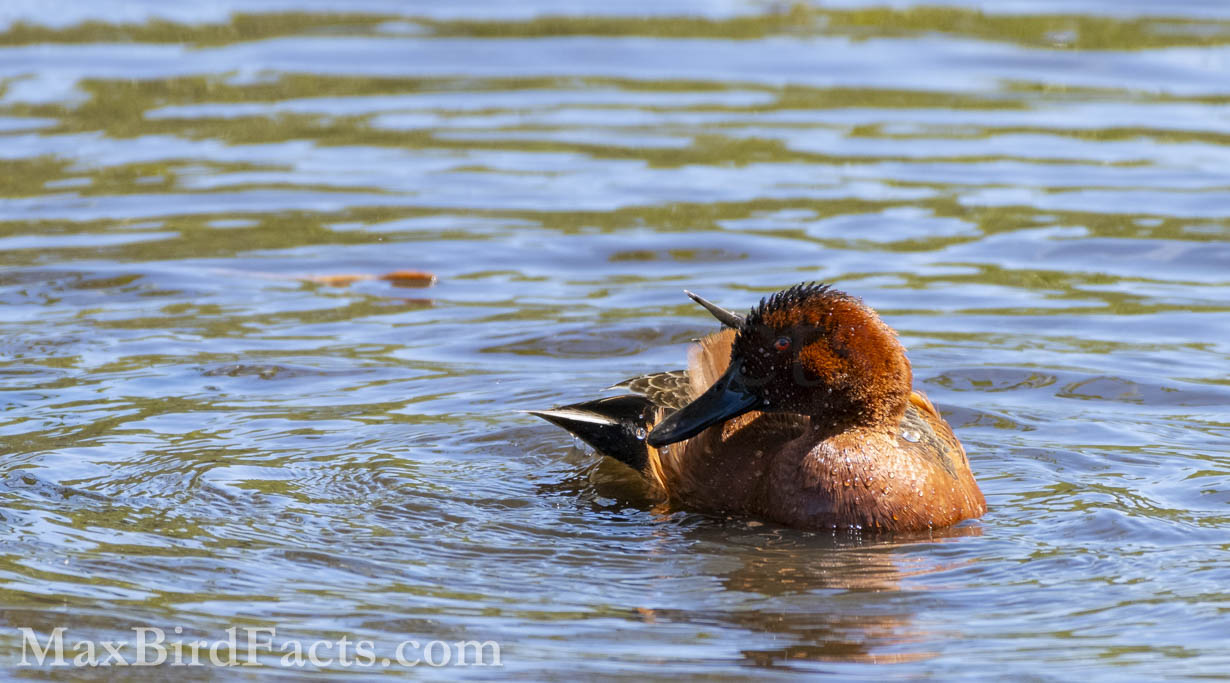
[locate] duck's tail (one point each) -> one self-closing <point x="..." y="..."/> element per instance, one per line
<point x="614" y="426"/>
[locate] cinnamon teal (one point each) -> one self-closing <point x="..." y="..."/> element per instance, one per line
<point x="801" y="412"/>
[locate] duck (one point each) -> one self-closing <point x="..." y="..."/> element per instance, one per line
<point x="801" y="412"/>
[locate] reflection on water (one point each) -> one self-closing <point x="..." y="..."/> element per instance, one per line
<point x="275" y="280"/>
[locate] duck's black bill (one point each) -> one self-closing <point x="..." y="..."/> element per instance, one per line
<point x="727" y="398"/>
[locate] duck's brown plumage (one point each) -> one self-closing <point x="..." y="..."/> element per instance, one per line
<point x="836" y="437"/>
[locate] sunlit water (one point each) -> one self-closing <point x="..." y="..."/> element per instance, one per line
<point x="197" y="435"/>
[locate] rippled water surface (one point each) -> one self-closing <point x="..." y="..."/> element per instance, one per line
<point x="203" y="426"/>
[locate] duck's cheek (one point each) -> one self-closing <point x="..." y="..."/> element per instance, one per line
<point x="804" y="379"/>
<point x="757" y="376"/>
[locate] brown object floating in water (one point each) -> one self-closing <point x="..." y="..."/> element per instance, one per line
<point x="410" y="278"/>
<point x="398" y="278"/>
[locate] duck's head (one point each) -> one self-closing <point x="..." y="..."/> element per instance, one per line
<point x="810" y="350"/>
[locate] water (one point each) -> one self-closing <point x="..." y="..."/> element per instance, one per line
<point x="197" y="435"/>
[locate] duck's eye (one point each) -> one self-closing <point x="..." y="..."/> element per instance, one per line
<point x="782" y="343"/>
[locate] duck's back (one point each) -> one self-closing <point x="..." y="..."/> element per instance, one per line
<point x="915" y="477"/>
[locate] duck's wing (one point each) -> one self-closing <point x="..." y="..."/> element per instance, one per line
<point x="615" y="426"/>
<point x="924" y="432"/>
<point x="925" y="435"/>
<point x="920" y="401"/>
<point x="671" y="390"/>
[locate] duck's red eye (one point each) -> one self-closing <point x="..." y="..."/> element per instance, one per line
<point x="782" y="343"/>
